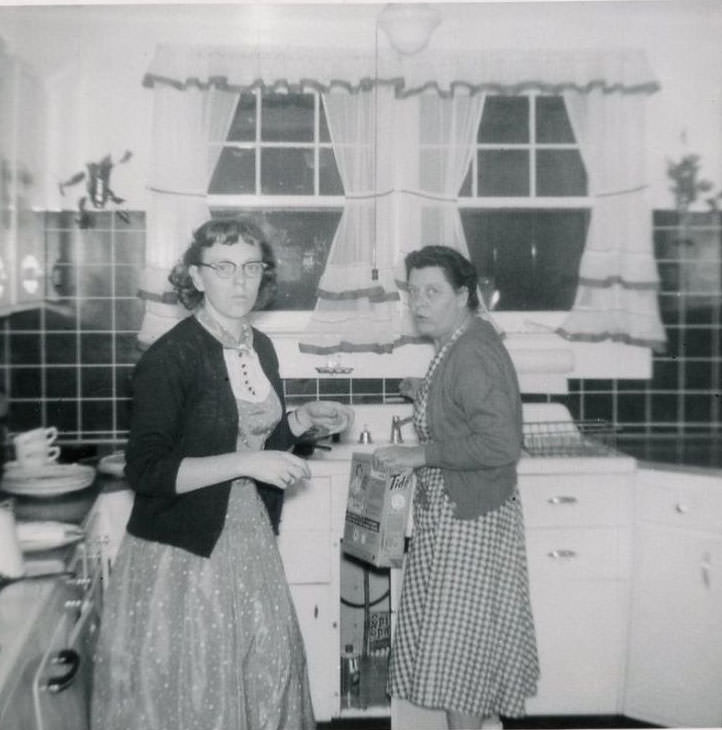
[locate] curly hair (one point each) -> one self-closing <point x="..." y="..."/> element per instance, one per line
<point x="458" y="270"/>
<point x="226" y="231"/>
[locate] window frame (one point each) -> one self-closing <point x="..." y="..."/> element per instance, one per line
<point x="278" y="321"/>
<point x="537" y="321"/>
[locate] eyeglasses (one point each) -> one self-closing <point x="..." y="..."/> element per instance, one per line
<point x="228" y="269"/>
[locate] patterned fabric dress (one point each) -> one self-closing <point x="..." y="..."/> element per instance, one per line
<point x="193" y="643"/>
<point x="464" y="638"/>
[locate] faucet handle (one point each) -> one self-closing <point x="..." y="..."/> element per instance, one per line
<point x="396" y="437"/>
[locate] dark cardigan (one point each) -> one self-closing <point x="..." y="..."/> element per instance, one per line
<point x="183" y="406"/>
<point x="475" y="421"/>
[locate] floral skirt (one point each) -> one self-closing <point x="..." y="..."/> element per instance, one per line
<point x="192" y="643"/>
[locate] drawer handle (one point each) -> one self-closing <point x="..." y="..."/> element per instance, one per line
<point x="562" y="500"/>
<point x="562" y="554"/>
<point x="65" y="657"/>
<point x="681" y="509"/>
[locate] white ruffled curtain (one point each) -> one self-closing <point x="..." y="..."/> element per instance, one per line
<point x="402" y="130"/>
<point x="447" y="133"/>
<point x="357" y="307"/>
<point x="618" y="280"/>
<point x="185" y="121"/>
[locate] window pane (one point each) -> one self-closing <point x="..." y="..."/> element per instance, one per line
<point x="324" y="135"/>
<point x="287" y="118"/>
<point x="235" y="172"/>
<point x="559" y="239"/>
<point x="552" y="122"/>
<point x="301" y="240"/>
<point x="503" y="172"/>
<point x="243" y="126"/>
<point x="505" y="119"/>
<point x="560" y="172"/>
<point x="287" y="171"/>
<point x="532" y="256"/>
<point x="465" y="191"/>
<point x="329" y="180"/>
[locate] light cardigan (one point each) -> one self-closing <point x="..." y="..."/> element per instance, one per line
<point x="475" y="421"/>
<point x="183" y="406"/>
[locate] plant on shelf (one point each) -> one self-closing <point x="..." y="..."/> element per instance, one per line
<point x="97" y="188"/>
<point x="687" y="186"/>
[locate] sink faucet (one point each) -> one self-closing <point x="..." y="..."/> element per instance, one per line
<point x="396" y="423"/>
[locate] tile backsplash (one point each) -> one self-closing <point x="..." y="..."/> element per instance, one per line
<point x="69" y="363"/>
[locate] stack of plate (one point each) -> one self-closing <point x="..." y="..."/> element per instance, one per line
<point x="47" y="480"/>
<point x="34" y="536"/>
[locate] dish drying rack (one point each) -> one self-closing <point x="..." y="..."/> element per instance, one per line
<point x="570" y="438"/>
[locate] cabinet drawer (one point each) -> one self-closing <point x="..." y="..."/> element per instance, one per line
<point x="570" y="501"/>
<point x="577" y="554"/>
<point x="307" y="505"/>
<point x="680" y="499"/>
<point x="306" y="555"/>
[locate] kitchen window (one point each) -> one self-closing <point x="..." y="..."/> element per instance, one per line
<point x="524" y="205"/>
<point x="276" y="164"/>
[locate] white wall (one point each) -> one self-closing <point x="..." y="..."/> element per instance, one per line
<point x="94" y="57"/>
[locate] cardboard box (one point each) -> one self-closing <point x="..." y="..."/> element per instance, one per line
<point x="377" y="512"/>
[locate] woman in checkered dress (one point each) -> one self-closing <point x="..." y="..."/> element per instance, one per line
<point x="464" y="639"/>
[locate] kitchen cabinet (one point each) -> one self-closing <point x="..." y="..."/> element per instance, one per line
<point x="579" y="543"/>
<point x="309" y="547"/>
<point x="674" y="675"/>
<point x="22" y="134"/>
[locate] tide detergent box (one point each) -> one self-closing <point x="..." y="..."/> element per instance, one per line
<point x="377" y="513"/>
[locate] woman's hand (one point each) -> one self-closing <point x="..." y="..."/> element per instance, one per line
<point x="397" y="458"/>
<point x="408" y="387"/>
<point x="325" y="416"/>
<point x="279" y="468"/>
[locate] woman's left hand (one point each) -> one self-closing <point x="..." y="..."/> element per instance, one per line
<point x="398" y="458"/>
<point x="326" y="416"/>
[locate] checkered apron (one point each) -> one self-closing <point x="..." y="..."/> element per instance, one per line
<point x="464" y="637"/>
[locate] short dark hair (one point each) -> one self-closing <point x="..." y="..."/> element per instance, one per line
<point x="458" y="270"/>
<point x="226" y="230"/>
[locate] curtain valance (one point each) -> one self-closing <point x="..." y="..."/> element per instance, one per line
<point x="325" y="69"/>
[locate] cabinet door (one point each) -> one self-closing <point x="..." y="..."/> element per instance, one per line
<point x="579" y="592"/>
<point x="311" y="562"/>
<point x="317" y="608"/>
<point x="675" y="660"/>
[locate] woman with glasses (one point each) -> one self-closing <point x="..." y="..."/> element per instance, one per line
<point x="199" y="630"/>
<point x="464" y="639"/>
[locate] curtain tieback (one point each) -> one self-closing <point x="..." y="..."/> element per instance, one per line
<point x="183" y="193"/>
<point x="403" y="191"/>
<point x="626" y="191"/>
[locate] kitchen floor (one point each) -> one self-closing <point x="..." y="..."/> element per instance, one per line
<point x="562" y="722"/>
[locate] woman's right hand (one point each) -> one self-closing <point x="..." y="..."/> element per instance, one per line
<point x="409" y="387"/>
<point x="279" y="468"/>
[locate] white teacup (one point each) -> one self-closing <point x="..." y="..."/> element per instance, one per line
<point x="36" y="448"/>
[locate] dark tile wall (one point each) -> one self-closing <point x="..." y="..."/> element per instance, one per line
<point x="69" y="363"/>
